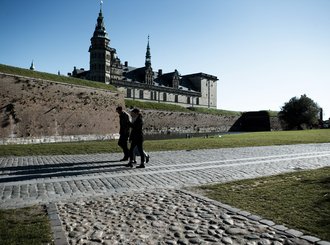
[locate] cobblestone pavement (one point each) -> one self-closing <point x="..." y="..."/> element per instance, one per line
<point x="100" y="201"/>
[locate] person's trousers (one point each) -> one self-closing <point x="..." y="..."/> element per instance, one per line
<point x="139" y="145"/>
<point x="122" y="142"/>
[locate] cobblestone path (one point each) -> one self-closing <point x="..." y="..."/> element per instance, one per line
<point x="70" y="180"/>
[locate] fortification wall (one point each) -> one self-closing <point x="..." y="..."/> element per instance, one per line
<point x="40" y="111"/>
<point x="166" y="122"/>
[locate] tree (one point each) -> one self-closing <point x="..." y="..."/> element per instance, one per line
<point x="299" y="113"/>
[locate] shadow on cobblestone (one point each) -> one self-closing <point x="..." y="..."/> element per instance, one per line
<point x="22" y="173"/>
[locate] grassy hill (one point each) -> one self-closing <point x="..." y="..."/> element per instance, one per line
<point x="52" y="77"/>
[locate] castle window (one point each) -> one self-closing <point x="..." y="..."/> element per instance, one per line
<point x="188" y="100"/>
<point x="176" y="99"/>
<point x="141" y="94"/>
<point x="197" y="101"/>
<point x="129" y="93"/>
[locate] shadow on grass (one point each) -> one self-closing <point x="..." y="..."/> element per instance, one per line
<point x="324" y="203"/>
<point x="317" y="189"/>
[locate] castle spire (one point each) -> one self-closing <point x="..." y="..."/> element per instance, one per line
<point x="148" y="55"/>
<point x="101" y="3"/>
<point x="100" y="27"/>
<point x="32" y="66"/>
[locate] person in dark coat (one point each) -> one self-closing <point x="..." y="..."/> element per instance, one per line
<point x="136" y="138"/>
<point x="124" y="122"/>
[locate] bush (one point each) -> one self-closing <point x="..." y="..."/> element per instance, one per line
<point x="299" y="113"/>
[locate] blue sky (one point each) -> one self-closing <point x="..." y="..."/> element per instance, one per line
<point x="264" y="52"/>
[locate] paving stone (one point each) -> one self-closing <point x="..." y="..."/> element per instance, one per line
<point x="227" y="240"/>
<point x="267" y="222"/>
<point x="294" y="232"/>
<point x="311" y="238"/>
<point x="280" y="227"/>
<point x="323" y="243"/>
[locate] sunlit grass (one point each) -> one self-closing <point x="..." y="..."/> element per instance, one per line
<point x="53" y="77"/>
<point x="223" y="141"/>
<point x="300" y="200"/>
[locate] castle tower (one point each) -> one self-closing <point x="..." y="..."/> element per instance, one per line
<point x="100" y="53"/>
<point x="148" y="68"/>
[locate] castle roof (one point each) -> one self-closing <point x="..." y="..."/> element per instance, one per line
<point x="201" y="74"/>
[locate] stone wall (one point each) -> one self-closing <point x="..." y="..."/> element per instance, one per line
<point x="166" y="122"/>
<point x="35" y="108"/>
<point x="39" y="111"/>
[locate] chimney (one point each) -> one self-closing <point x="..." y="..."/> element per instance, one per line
<point x="160" y="72"/>
<point x="126" y="64"/>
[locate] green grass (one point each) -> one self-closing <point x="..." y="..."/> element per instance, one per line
<point x="25" y="226"/>
<point x="215" y="111"/>
<point x="225" y="141"/>
<point x="171" y="107"/>
<point x="299" y="200"/>
<point x="52" y="77"/>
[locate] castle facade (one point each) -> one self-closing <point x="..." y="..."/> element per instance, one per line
<point x="143" y="83"/>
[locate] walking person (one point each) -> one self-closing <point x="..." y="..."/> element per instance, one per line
<point x="124" y="122"/>
<point x="137" y="153"/>
<point x="136" y="138"/>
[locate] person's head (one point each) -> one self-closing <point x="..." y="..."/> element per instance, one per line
<point x="135" y="112"/>
<point x="119" y="109"/>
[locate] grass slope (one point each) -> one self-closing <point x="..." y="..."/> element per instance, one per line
<point x="56" y="78"/>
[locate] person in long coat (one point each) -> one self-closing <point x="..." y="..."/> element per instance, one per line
<point x="124" y="122"/>
<point x="136" y="138"/>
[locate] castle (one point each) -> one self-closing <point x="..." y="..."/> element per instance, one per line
<point x="143" y="83"/>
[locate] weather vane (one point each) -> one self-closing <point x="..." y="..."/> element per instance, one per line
<point x="101" y="2"/>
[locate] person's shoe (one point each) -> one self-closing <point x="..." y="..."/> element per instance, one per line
<point x="124" y="159"/>
<point x="130" y="165"/>
<point x="134" y="161"/>
<point x="141" y="166"/>
<point x="147" y="158"/>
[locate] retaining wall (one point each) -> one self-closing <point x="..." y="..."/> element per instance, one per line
<point x="40" y="111"/>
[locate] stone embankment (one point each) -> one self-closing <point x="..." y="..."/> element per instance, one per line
<point x="167" y="122"/>
<point x="35" y="108"/>
<point x="41" y="111"/>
